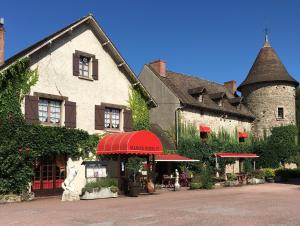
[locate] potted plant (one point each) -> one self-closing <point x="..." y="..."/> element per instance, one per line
<point x="269" y="174"/>
<point x="133" y="167"/>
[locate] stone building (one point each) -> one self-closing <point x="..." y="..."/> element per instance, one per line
<point x="192" y="100"/>
<point x="267" y="100"/>
<point x="269" y="92"/>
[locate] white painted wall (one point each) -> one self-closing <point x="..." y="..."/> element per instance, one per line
<point x="55" y="68"/>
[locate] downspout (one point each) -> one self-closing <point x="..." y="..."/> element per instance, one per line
<point x="177" y="124"/>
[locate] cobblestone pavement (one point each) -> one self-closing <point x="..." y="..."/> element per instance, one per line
<point x="267" y="204"/>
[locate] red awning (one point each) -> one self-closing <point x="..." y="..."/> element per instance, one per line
<point x="138" y="142"/>
<point x="205" y="129"/>
<point x="243" y="135"/>
<point x="236" y="155"/>
<point x="173" y="158"/>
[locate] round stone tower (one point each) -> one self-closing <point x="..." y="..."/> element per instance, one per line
<point x="269" y="92"/>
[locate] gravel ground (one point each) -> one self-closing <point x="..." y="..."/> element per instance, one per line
<point x="267" y="204"/>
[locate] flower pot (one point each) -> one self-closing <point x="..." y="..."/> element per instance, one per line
<point x="134" y="190"/>
<point x="270" y="179"/>
<point x="150" y="186"/>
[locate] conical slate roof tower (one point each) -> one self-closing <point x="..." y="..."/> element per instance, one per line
<point x="269" y="92"/>
<point x="267" y="68"/>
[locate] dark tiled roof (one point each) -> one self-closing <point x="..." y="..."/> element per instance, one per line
<point x="267" y="68"/>
<point x="166" y="141"/>
<point x="197" y="90"/>
<point x="217" y="96"/>
<point x="180" y="85"/>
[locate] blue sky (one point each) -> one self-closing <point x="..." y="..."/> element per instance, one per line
<point x="217" y="40"/>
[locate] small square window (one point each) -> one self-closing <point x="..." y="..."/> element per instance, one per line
<point x="280" y="113"/>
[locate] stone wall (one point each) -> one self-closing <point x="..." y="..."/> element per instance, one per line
<point x="263" y="101"/>
<point x="215" y="121"/>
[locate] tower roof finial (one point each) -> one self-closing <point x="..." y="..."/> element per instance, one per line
<point x="267" y="43"/>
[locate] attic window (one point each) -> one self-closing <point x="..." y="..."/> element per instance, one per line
<point x="220" y="103"/>
<point x="200" y="98"/>
<point x="197" y="93"/>
<point x="84" y="66"/>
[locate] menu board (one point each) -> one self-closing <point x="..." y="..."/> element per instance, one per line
<point x="95" y="170"/>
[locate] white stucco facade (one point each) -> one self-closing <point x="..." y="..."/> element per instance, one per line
<point x="55" y="68"/>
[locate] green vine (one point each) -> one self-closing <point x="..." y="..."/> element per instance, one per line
<point x="140" y="110"/>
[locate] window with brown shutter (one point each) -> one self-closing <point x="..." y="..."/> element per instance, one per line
<point x="70" y="114"/>
<point x="85" y="65"/>
<point x="127" y="120"/>
<point x="31" y="109"/>
<point x="99" y="117"/>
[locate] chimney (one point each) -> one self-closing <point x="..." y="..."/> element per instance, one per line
<point x="1" y="41"/>
<point x="159" y="66"/>
<point x="231" y="86"/>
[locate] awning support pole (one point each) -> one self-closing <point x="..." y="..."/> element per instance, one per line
<point x="217" y="168"/>
<point x="254" y="165"/>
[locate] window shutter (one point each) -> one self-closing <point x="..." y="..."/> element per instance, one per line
<point x="75" y="64"/>
<point x="70" y="114"/>
<point x="127" y="120"/>
<point x="95" y="69"/>
<point x="99" y="117"/>
<point x="32" y="109"/>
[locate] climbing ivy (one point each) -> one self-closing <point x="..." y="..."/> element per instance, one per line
<point x="140" y="110"/>
<point x="21" y="143"/>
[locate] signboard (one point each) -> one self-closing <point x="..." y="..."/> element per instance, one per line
<point x="95" y="169"/>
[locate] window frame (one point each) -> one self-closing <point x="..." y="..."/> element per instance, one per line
<point x="110" y="118"/>
<point x="277" y="113"/>
<point x="48" y="122"/>
<point x="81" y="63"/>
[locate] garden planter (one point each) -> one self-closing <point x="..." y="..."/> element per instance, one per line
<point x="150" y="186"/>
<point x="134" y="190"/>
<point x="231" y="183"/>
<point x="270" y="179"/>
<point x="256" y="181"/>
<point x="97" y="193"/>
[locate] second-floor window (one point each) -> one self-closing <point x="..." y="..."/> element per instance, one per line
<point x="84" y="66"/>
<point x="112" y="118"/>
<point x="49" y="111"/>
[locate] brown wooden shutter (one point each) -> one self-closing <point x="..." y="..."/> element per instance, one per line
<point x="75" y="64"/>
<point x="70" y="114"/>
<point x="99" y="117"/>
<point x="127" y="120"/>
<point x="32" y="109"/>
<point x="95" y="69"/>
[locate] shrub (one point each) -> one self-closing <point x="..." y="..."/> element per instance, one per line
<point x="288" y="173"/>
<point x="258" y="174"/>
<point x="231" y="177"/>
<point x="269" y="172"/>
<point x="195" y="185"/>
<point x="111" y="183"/>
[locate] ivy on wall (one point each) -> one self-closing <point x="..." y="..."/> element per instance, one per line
<point x="21" y="143"/>
<point x="140" y="110"/>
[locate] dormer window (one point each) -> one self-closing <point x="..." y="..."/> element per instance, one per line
<point x="197" y="93"/>
<point x="218" y="98"/>
<point x="84" y="66"/>
<point x="220" y="103"/>
<point x="200" y="98"/>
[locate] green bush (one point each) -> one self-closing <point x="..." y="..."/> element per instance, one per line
<point x="269" y="172"/>
<point x="204" y="179"/>
<point x="258" y="174"/>
<point x="111" y="183"/>
<point x="288" y="173"/>
<point x="231" y="177"/>
<point x="195" y="185"/>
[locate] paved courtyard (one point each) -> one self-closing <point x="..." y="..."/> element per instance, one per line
<point x="268" y="204"/>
